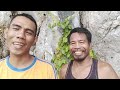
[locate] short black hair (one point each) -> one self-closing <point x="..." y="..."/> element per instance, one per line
<point x="81" y="30"/>
<point x="27" y="16"/>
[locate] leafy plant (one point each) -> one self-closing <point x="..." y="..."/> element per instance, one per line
<point x="92" y="54"/>
<point x="62" y="54"/>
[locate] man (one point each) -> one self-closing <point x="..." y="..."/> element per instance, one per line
<point x="83" y="66"/>
<point x="20" y="35"/>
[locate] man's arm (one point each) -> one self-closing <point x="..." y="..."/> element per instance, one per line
<point x="62" y="72"/>
<point x="105" y="71"/>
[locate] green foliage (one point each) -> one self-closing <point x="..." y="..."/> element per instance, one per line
<point x="92" y="54"/>
<point x="62" y="54"/>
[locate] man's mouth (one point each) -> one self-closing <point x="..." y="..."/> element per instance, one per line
<point x="18" y="45"/>
<point x="78" y="52"/>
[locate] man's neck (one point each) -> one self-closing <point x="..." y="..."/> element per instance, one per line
<point x="21" y="61"/>
<point x="81" y="69"/>
<point x="85" y="62"/>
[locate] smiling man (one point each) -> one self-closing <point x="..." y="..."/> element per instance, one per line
<point x="20" y="36"/>
<point x="83" y="66"/>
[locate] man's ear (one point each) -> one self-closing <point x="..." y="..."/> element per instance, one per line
<point x="5" y="33"/>
<point x="90" y="45"/>
<point x="36" y="38"/>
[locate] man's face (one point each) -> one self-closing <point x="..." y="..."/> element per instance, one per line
<point x="79" y="46"/>
<point x="20" y="35"/>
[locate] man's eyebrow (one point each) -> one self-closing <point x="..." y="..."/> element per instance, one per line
<point x="30" y="30"/>
<point x="81" y="40"/>
<point x="78" y="40"/>
<point x="72" y="41"/>
<point x="16" y="25"/>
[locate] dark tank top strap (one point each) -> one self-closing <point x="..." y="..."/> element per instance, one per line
<point x="68" y="72"/>
<point x="93" y="72"/>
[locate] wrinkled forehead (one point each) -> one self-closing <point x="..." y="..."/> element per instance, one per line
<point x="21" y="19"/>
<point x="24" y="21"/>
<point x="78" y="36"/>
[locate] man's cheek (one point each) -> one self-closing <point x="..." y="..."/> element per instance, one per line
<point x="72" y="50"/>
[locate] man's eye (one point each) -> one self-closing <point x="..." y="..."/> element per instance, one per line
<point x="29" y="33"/>
<point x="15" y="28"/>
<point x="72" y="43"/>
<point x="81" y="42"/>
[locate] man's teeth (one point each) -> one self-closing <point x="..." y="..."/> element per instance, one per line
<point x="78" y="53"/>
<point x="17" y="43"/>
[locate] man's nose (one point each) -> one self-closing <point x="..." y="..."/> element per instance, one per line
<point x="77" y="45"/>
<point x="21" y="34"/>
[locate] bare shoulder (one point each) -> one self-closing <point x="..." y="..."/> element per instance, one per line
<point x="63" y="71"/>
<point x="106" y="71"/>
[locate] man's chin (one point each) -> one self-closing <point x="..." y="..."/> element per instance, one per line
<point x="17" y="53"/>
<point x="79" y="59"/>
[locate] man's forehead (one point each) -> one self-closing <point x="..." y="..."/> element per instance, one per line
<point x="76" y="34"/>
<point x="18" y="18"/>
<point x="21" y="20"/>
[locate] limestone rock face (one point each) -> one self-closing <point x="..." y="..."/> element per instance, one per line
<point x="105" y="28"/>
<point x="4" y="19"/>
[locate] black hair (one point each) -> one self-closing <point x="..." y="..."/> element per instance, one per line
<point x="27" y="16"/>
<point x="81" y="30"/>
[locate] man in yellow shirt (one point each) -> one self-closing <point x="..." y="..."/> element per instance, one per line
<point x="20" y="35"/>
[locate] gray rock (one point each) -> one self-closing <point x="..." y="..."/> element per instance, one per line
<point x="105" y="28"/>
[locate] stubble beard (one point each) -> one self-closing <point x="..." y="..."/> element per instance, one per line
<point x="80" y="58"/>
